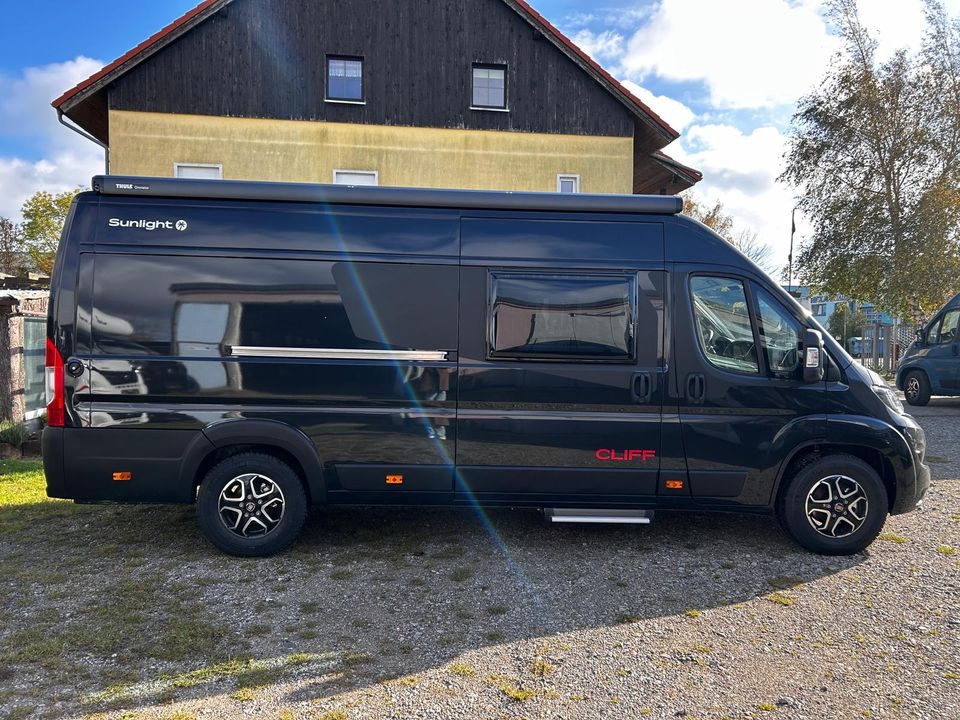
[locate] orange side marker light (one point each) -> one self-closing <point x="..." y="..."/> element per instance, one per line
<point x="394" y="479"/>
<point x="122" y="476"/>
<point x="674" y="484"/>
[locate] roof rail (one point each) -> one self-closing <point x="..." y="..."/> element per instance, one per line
<point x="359" y="195"/>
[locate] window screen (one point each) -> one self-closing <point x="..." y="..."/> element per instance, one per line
<point x="345" y="78"/>
<point x="563" y="316"/>
<point x="490" y="86"/>
<point x="723" y="324"/>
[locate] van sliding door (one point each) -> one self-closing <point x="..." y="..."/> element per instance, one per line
<point x="561" y="361"/>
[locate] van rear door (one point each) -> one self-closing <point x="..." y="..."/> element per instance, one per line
<point x="561" y="339"/>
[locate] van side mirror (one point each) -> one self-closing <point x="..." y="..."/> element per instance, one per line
<point x="920" y="338"/>
<point x="812" y="356"/>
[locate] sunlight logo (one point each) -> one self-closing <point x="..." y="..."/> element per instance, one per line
<point x="180" y="225"/>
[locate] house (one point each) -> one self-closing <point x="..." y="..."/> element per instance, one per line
<point x="482" y="94"/>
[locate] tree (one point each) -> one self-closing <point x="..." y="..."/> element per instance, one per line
<point x="721" y="222"/>
<point x="875" y="152"/>
<point x="846" y="323"/>
<point x="43" y="217"/>
<point x="11" y="248"/>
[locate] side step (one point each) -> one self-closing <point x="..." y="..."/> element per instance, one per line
<point x="576" y="515"/>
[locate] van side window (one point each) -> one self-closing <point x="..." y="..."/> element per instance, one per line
<point x="779" y="335"/>
<point x="948" y="330"/>
<point x="723" y="324"/>
<point x="583" y="317"/>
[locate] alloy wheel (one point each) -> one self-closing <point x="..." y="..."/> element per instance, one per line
<point x="837" y="506"/>
<point x="912" y="391"/>
<point x="251" y="505"/>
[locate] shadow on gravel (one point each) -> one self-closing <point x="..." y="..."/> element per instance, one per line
<point x="126" y="607"/>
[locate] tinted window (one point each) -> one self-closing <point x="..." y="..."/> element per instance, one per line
<point x="948" y="330"/>
<point x="562" y="316"/>
<point x="345" y="78"/>
<point x="722" y="319"/>
<point x="490" y="86"/>
<point x="201" y="306"/>
<point x="780" y="336"/>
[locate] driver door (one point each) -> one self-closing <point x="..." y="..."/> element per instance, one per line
<point x="739" y="384"/>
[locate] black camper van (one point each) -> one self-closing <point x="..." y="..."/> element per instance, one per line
<point x="256" y="348"/>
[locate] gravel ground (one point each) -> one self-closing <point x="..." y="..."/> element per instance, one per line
<point x="420" y="613"/>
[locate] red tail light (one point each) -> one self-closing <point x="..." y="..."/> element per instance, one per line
<point x="54" y="382"/>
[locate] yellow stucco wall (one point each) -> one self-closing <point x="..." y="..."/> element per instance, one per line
<point x="296" y="151"/>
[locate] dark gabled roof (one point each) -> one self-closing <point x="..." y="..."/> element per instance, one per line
<point x="205" y="9"/>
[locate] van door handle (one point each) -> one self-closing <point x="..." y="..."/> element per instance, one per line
<point x="696" y="386"/>
<point x="642" y="387"/>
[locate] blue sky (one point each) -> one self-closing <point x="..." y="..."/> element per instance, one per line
<point x="726" y="73"/>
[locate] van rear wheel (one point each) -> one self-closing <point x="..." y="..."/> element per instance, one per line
<point x="916" y="388"/>
<point x="835" y="505"/>
<point x="251" y="505"/>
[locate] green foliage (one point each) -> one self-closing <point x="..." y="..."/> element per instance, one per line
<point x="846" y="323"/>
<point x="13" y="433"/>
<point x="12" y="255"/>
<point x="43" y="217"/>
<point x="875" y="153"/>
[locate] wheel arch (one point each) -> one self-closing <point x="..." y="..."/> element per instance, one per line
<point x="224" y="439"/>
<point x="881" y="462"/>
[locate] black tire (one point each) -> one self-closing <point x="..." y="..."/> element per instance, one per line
<point x="813" y="481"/>
<point x="916" y="388"/>
<point x="228" y="492"/>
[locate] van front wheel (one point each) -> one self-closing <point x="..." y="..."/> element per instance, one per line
<point x="916" y="388"/>
<point x="251" y="505"/>
<point x="836" y="505"/>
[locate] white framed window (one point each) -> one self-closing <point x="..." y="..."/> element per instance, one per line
<point x="489" y="87"/>
<point x="568" y="183"/>
<point x="356" y="177"/>
<point x="198" y="171"/>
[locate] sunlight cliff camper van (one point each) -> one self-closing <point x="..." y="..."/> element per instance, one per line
<point x="257" y="348"/>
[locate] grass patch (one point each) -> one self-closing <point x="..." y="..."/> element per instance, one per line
<point x="624" y="618"/>
<point x="462" y="669"/>
<point x="494" y="636"/>
<point x="779" y="598"/>
<point x="510" y="689"/>
<point x="333" y="715"/>
<point x="498" y="609"/>
<point x="341" y="574"/>
<point x="946" y="550"/>
<point x="542" y="668"/>
<point x="462" y="574"/>
<point x="245" y="694"/>
<point x="310" y="608"/>
<point x="893" y="538"/>
<point x="353" y="659"/>
<point x="693" y="613"/>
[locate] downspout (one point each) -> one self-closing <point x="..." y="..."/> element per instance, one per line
<point x="84" y="134"/>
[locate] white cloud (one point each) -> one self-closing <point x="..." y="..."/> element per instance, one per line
<point x="603" y="46"/>
<point x="673" y="111"/>
<point x="61" y="159"/>
<point x="740" y="169"/>
<point x="750" y="53"/>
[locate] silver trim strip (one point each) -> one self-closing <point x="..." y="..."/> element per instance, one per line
<point x="338" y="354"/>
